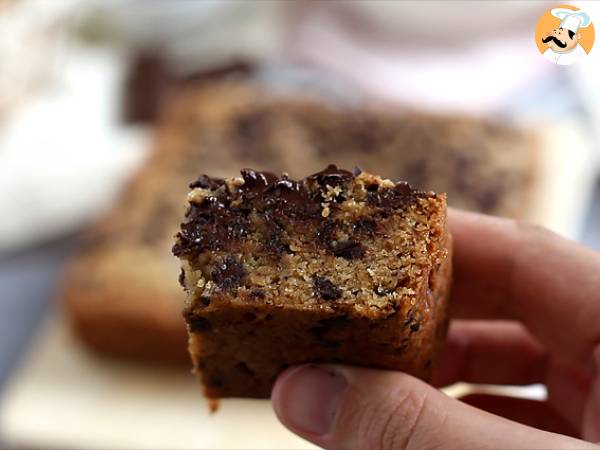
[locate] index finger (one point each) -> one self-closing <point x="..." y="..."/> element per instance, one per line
<point x="505" y="269"/>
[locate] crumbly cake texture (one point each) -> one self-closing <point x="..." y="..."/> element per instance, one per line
<point x="117" y="309"/>
<point x="337" y="267"/>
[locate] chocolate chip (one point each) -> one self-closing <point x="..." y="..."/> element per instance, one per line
<point x="215" y="381"/>
<point x="255" y="294"/>
<point x="147" y="85"/>
<point x="181" y="277"/>
<point x="401" y="348"/>
<point x="335" y="322"/>
<point x="255" y="182"/>
<point x="200" y="365"/>
<point x="243" y="367"/>
<point x="229" y="274"/>
<point x="331" y="176"/>
<point x="282" y="196"/>
<point x="206" y="182"/>
<point x="397" y="197"/>
<point x="349" y="250"/>
<point x="365" y="225"/>
<point x="319" y="333"/>
<point x="205" y="300"/>
<point x="325" y="325"/>
<point x="326" y="232"/>
<point x="325" y="289"/>
<point x="249" y="316"/>
<point x="345" y="249"/>
<point x="381" y="291"/>
<point x="237" y="227"/>
<point x="211" y="225"/>
<point x="275" y="246"/>
<point x="412" y="321"/>
<point x="197" y="323"/>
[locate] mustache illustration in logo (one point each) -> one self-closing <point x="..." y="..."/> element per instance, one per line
<point x="555" y="40"/>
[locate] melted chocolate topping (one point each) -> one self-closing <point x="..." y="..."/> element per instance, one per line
<point x="206" y="182"/>
<point x="222" y="219"/>
<point x="332" y="176"/>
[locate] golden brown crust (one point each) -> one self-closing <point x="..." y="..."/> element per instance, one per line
<point x="380" y="304"/>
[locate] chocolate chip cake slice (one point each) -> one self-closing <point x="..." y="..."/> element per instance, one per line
<point x="338" y="267"/>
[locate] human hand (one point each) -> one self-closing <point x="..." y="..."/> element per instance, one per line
<point x="526" y="309"/>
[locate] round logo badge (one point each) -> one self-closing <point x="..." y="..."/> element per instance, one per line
<point x="564" y="35"/>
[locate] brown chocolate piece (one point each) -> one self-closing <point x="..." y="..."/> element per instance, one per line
<point x="151" y="80"/>
<point x="349" y="250"/>
<point x="146" y="86"/>
<point x="325" y="289"/>
<point x="229" y="274"/>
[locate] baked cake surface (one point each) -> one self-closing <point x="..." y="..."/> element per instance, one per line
<point x="118" y="309"/>
<point x="337" y="267"/>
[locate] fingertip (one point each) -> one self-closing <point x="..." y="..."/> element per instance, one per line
<point x="278" y="393"/>
<point x="307" y="398"/>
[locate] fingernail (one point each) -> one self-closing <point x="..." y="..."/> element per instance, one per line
<point x="308" y="398"/>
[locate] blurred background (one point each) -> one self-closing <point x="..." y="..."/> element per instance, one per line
<point x="110" y="108"/>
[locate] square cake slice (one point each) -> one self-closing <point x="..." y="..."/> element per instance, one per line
<point x="338" y="267"/>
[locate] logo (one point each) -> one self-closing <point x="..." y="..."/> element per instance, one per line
<point x="564" y="35"/>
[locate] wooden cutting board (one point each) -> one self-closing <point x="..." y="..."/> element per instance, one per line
<point x="63" y="397"/>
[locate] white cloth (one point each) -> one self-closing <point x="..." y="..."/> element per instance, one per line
<point x="194" y="35"/>
<point x="65" y="156"/>
<point x="565" y="58"/>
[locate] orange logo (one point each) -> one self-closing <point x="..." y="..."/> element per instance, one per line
<point x="564" y="35"/>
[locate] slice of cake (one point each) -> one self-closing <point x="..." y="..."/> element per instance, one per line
<point x="117" y="309"/>
<point x="337" y="267"/>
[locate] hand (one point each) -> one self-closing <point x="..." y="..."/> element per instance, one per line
<point x="526" y="309"/>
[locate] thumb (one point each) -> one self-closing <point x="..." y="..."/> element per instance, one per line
<point x="339" y="407"/>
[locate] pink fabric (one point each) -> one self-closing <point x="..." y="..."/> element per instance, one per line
<point x="474" y="77"/>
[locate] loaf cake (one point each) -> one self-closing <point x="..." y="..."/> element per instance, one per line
<point x="120" y="290"/>
<point x="337" y="267"/>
